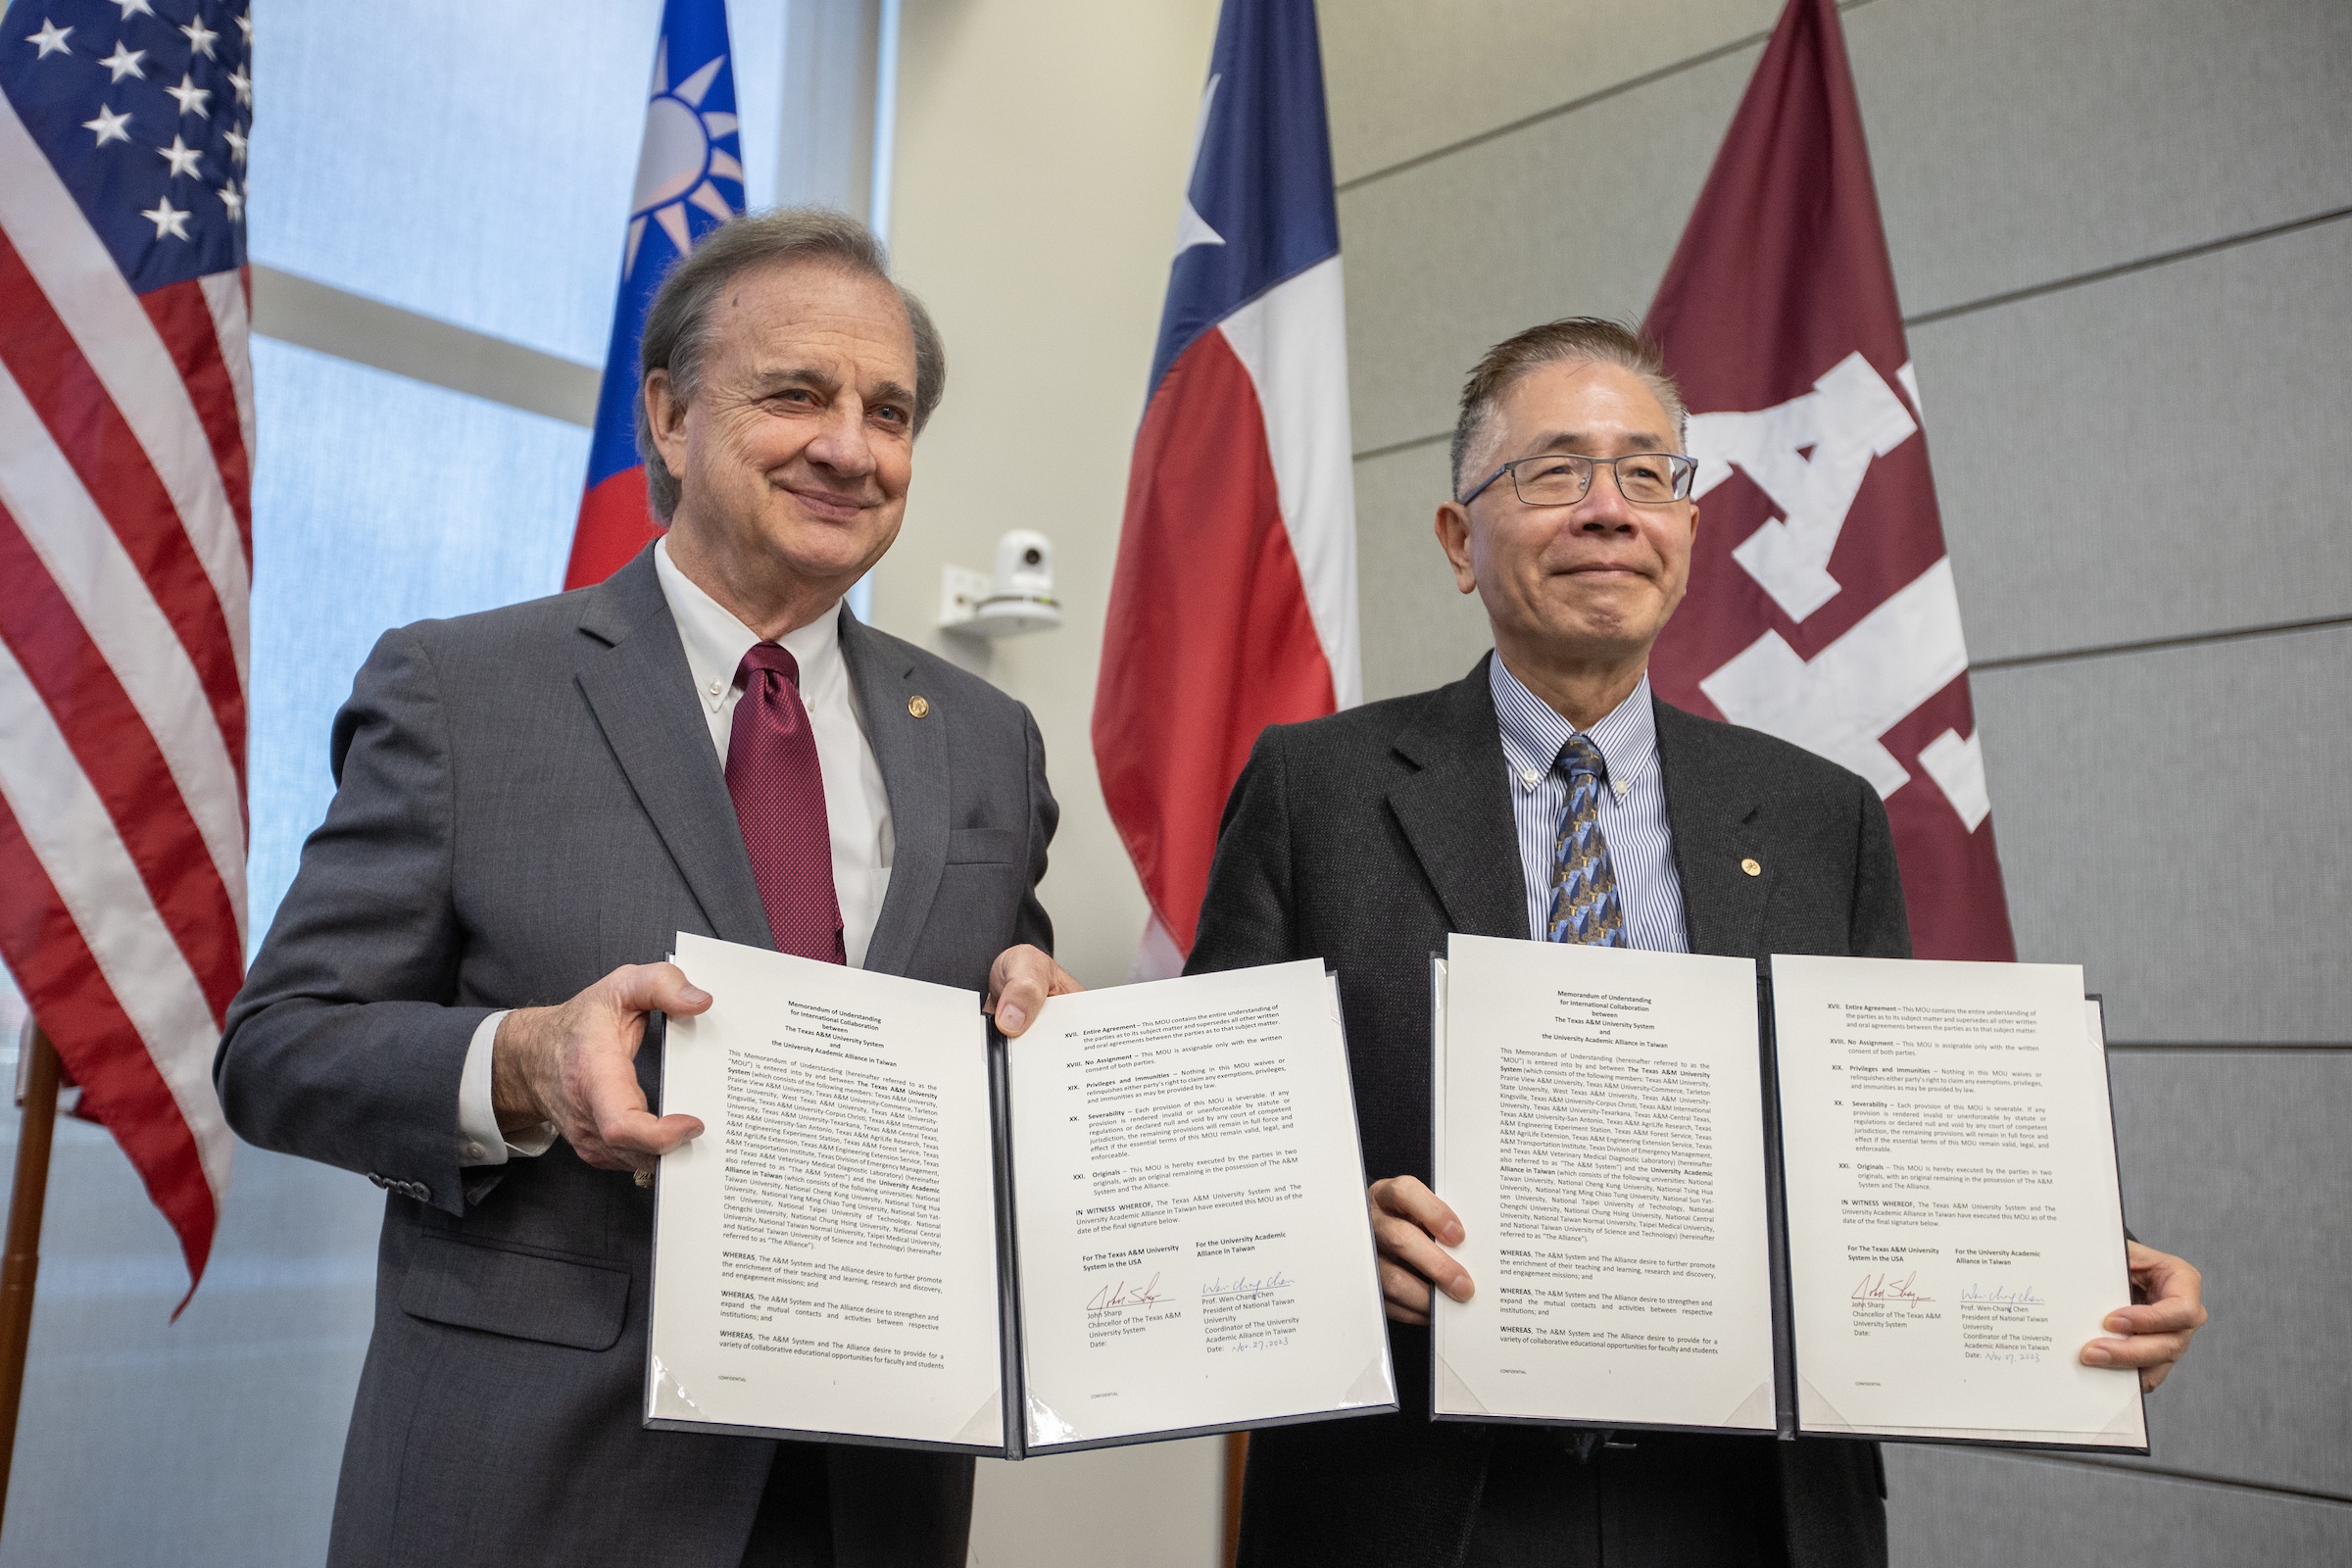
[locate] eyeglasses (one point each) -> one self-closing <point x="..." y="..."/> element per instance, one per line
<point x="1563" y="478"/>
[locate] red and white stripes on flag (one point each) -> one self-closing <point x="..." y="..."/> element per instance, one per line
<point x="125" y="558"/>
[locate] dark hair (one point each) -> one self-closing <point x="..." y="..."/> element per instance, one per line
<point x="677" y="325"/>
<point x="1588" y="338"/>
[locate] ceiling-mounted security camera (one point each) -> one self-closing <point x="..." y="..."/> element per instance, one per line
<point x="1018" y="597"/>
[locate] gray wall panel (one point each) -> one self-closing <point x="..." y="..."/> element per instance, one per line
<point x="2144" y="458"/>
<point x="1446" y="259"/>
<point x="1467" y="67"/>
<point x="2017" y="141"/>
<point x="2236" y="1160"/>
<point x="1418" y="630"/>
<point x="1959" y="1508"/>
<point x="2013" y="143"/>
<point x="2175" y="821"/>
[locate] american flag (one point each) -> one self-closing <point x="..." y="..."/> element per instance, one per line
<point x="126" y="555"/>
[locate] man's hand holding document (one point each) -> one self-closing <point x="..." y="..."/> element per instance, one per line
<point x="1141" y="1219"/>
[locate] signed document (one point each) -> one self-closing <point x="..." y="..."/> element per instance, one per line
<point x="1860" y="1196"/>
<point x="826" y="1253"/>
<point x="1196" y="1252"/>
<point x="841" y="1255"/>
<point x="1600" y="1131"/>
<point x="1955" y="1226"/>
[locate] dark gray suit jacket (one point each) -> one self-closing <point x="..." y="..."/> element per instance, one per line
<point x="527" y="799"/>
<point x="1363" y="839"/>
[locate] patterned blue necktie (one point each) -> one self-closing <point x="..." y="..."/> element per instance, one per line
<point x="1583" y="886"/>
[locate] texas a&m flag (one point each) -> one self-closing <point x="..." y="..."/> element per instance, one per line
<point x="1821" y="605"/>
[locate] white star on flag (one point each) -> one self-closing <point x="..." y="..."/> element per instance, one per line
<point x="242" y="83"/>
<point x="166" y="219"/>
<point x="108" y="126"/>
<point x="1191" y="228"/>
<point x="234" y="200"/>
<point x="127" y="445"/>
<point x="192" y="98"/>
<point x="125" y="61"/>
<point x="236" y="145"/>
<point x="245" y="27"/>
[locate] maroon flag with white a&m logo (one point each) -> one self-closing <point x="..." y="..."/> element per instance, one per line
<point x="1821" y="606"/>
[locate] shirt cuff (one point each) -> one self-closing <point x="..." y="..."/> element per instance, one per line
<point x="479" y="1140"/>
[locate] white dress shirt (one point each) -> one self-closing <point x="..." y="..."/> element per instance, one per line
<point x="856" y="804"/>
<point x="1633" y="808"/>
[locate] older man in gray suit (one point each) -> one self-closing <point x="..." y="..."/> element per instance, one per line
<point x="462" y="994"/>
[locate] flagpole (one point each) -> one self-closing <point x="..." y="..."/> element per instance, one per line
<point x="22" y="1259"/>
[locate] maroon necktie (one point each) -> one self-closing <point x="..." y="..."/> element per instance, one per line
<point x="779" y="795"/>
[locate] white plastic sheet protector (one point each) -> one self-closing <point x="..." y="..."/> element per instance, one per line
<point x="826" y="1253"/>
<point x="1955" y="1222"/>
<point x="1195" y="1250"/>
<point x="1600" y="1131"/>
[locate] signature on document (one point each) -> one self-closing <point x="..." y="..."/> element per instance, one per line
<point x="1121" y="1294"/>
<point x="2001" y="1294"/>
<point x="1881" y="1287"/>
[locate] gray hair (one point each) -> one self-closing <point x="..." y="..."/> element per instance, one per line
<point x="677" y="325"/>
<point x="1586" y="338"/>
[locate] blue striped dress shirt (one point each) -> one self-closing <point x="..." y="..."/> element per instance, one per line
<point x="1633" y="808"/>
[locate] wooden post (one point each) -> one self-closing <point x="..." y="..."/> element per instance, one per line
<point x="23" y="1258"/>
<point x="1237" y="1456"/>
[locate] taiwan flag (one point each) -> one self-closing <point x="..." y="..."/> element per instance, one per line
<point x="1233" y="605"/>
<point x="1822" y="606"/>
<point x="689" y="181"/>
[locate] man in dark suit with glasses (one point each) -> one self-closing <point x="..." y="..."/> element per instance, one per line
<point x="1366" y="837"/>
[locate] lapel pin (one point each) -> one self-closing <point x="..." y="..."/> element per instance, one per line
<point x="918" y="706"/>
<point x="1750" y="866"/>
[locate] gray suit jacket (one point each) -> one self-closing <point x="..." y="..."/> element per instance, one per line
<point x="526" y="800"/>
<point x="1363" y="839"/>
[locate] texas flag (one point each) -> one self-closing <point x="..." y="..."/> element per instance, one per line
<point x="1822" y="606"/>
<point x="1233" y="605"/>
<point x="689" y="181"/>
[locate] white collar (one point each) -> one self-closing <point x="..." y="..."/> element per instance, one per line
<point x="716" y="641"/>
<point x="1532" y="733"/>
